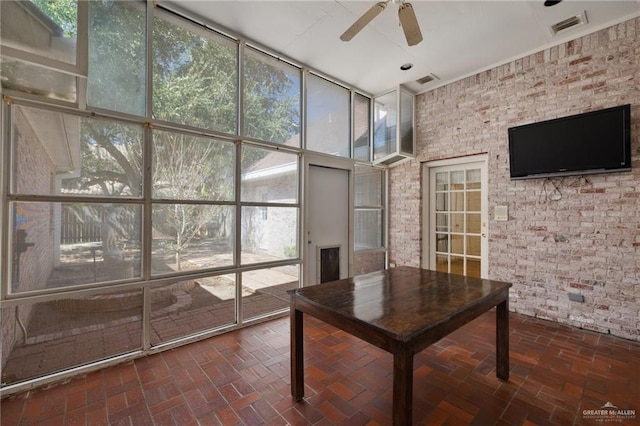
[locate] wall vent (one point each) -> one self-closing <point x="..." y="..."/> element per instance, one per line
<point x="565" y="24"/>
<point x="426" y="79"/>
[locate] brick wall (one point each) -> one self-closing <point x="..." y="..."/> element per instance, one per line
<point x="588" y="241"/>
<point x="35" y="218"/>
<point x="365" y="262"/>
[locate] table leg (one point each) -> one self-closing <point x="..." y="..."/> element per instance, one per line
<point x="502" y="340"/>
<point x="402" y="386"/>
<point x="297" y="355"/>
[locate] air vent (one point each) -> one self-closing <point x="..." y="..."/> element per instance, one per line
<point x="574" y="21"/>
<point x="426" y="79"/>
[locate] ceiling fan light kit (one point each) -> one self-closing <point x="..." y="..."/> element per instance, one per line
<point x="406" y="14"/>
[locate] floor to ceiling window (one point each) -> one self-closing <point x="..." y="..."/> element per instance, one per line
<point x="151" y="185"/>
<point x="369" y="219"/>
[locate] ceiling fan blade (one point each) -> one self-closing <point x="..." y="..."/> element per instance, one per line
<point x="368" y="16"/>
<point x="409" y="24"/>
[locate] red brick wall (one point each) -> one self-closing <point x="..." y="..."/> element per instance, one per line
<point x="587" y="242"/>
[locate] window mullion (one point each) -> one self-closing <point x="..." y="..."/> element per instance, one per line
<point x="149" y="61"/>
<point x="82" y="40"/>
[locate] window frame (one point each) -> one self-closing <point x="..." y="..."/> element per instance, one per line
<point x="348" y="150"/>
<point x="79" y="70"/>
<point x="271" y="60"/>
<point x="381" y="208"/>
<point x="201" y="31"/>
<point x="146" y="201"/>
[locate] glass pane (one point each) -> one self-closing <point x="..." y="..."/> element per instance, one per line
<point x="406" y="122"/>
<point x="361" y="127"/>
<point x="442" y="222"/>
<point x="457" y="201"/>
<point x="442" y="263"/>
<point x="368" y="229"/>
<point x="269" y="176"/>
<point x="473" y="245"/>
<point x="473" y="201"/>
<point x="473" y="179"/>
<point x="365" y="262"/>
<point x="36" y="80"/>
<point x="44" y="27"/>
<point x="117" y="56"/>
<point x="457" y="222"/>
<point x="188" y="237"/>
<point x="457" y="244"/>
<point x="442" y="181"/>
<point x="192" y="168"/>
<point x="63" y="154"/>
<point x="368" y="186"/>
<point x="272" y="99"/>
<point x="442" y="243"/>
<point x="67" y="333"/>
<point x="457" y="265"/>
<point x="265" y="290"/>
<point x="194" y="76"/>
<point x="473" y="268"/>
<point x="269" y="234"/>
<point x="473" y="223"/>
<point x="457" y="180"/>
<point x="62" y="244"/>
<point x="441" y="201"/>
<point x="192" y="306"/>
<point x="328" y="117"/>
<point x="384" y="124"/>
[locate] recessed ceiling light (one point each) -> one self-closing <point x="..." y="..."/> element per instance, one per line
<point x="405" y="67"/>
<point x="549" y="3"/>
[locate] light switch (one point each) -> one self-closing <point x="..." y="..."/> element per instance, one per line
<point x="501" y="213"/>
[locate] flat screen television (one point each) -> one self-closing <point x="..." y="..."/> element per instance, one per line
<point x="592" y="142"/>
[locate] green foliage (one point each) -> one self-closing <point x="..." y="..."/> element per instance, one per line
<point x="112" y="157"/>
<point x="195" y="78"/>
<point x="195" y="83"/>
<point x="62" y="12"/>
<point x="290" y="251"/>
<point x="271" y="100"/>
<point x="117" y="56"/>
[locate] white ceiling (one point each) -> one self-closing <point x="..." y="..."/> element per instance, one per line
<point x="461" y="38"/>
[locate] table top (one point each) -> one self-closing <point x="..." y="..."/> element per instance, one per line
<point x="401" y="301"/>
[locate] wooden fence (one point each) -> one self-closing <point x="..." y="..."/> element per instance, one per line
<point x="80" y="227"/>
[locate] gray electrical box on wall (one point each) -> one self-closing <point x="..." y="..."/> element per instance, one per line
<point x="575" y="297"/>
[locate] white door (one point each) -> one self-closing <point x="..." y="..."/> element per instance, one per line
<point x="457" y="220"/>
<point x="327" y="219"/>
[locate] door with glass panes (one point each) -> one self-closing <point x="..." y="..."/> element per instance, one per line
<point x="458" y="219"/>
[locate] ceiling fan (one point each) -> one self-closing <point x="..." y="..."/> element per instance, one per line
<point x="405" y="13"/>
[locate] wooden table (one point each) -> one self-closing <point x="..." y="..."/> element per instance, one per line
<point x="401" y="310"/>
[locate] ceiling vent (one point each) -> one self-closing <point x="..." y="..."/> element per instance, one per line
<point x="574" y="21"/>
<point x="426" y="79"/>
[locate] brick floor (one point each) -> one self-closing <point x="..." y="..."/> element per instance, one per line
<point x="60" y="339"/>
<point x="242" y="378"/>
